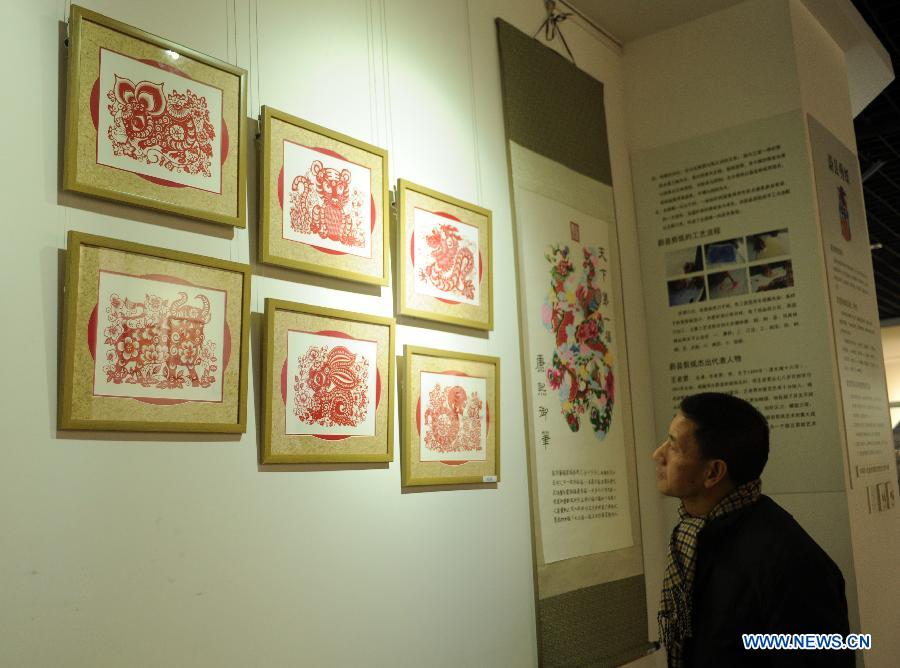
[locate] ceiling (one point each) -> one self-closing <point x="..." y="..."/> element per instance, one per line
<point x="877" y="124"/>
<point x="632" y="19"/>
<point x="878" y="145"/>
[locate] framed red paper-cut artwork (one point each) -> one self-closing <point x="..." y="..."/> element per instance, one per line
<point x="153" y="123"/>
<point x="153" y="339"/>
<point x="451" y="425"/>
<point x="444" y="256"/>
<point x="324" y="201"/>
<point x="327" y="393"/>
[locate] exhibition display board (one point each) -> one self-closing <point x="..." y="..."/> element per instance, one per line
<point x="733" y="268"/>
<point x="757" y="271"/>
<point x="851" y="287"/>
<point x="734" y="285"/>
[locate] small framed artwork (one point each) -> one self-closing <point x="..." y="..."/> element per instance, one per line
<point x="153" y="339"/>
<point x="324" y="201"/>
<point x="451" y="418"/>
<point x="444" y="249"/>
<point x="154" y="123"/>
<point x="327" y="390"/>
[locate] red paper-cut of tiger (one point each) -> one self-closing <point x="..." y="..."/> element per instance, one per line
<point x="324" y="203"/>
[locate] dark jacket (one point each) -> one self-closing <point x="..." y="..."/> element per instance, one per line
<point x="758" y="571"/>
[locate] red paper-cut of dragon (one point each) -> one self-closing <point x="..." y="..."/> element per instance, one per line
<point x="452" y="263"/>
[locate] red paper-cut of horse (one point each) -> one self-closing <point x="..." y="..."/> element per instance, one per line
<point x="453" y="420"/>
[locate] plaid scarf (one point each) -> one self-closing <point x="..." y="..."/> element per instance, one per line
<point x="674" y="616"/>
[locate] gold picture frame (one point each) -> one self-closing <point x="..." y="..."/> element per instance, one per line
<point x="323" y="200"/>
<point x="190" y="162"/>
<point x="153" y="339"/>
<point x="466" y="452"/>
<point x="327" y="385"/>
<point x="446" y="270"/>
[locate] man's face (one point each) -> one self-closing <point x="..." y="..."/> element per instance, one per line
<point x="680" y="468"/>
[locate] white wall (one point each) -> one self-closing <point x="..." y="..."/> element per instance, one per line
<point x="144" y="550"/>
<point x="890" y="341"/>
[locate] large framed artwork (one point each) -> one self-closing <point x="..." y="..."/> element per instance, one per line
<point x="154" y="123"/>
<point x="153" y="339"/>
<point x="451" y="418"/>
<point x="444" y="249"/>
<point x="324" y="201"/>
<point x="327" y="385"/>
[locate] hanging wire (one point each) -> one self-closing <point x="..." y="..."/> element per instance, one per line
<point x="234" y="25"/>
<point x="473" y="92"/>
<point x="227" y="32"/>
<point x="63" y="211"/>
<point x="370" y="56"/>
<point x="257" y="68"/>
<point x="551" y="26"/>
<point x="386" y="70"/>
<point x="253" y="70"/>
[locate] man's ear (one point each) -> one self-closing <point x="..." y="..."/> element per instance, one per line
<point x="716" y="471"/>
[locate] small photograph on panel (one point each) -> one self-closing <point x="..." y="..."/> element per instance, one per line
<point x="771" y="276"/>
<point x="686" y="291"/>
<point x="725" y="253"/>
<point x="768" y="245"/>
<point x="684" y="261"/>
<point x="728" y="283"/>
<point x="844" y="212"/>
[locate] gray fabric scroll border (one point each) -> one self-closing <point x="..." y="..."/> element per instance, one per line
<point x="552" y="107"/>
<point x="603" y="625"/>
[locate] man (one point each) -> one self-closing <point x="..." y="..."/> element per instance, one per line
<point x="738" y="563"/>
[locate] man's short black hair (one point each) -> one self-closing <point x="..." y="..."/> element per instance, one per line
<point x="730" y="429"/>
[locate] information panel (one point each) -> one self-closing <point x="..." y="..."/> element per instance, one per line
<point x="735" y="291"/>
<point x="857" y="336"/>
